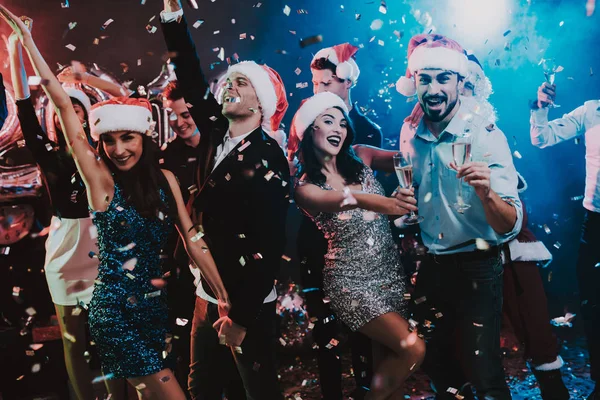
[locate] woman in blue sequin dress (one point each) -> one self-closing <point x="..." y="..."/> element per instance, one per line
<point x="362" y="276"/>
<point x="135" y="205"/>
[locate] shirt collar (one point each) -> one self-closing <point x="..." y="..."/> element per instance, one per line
<point x="237" y="139"/>
<point x="454" y="128"/>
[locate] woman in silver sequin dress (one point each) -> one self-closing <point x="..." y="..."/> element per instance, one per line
<point x="363" y="276"/>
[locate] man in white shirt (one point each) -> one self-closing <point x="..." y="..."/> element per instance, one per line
<point x="583" y="121"/>
<point x="242" y="205"/>
<point x="458" y="295"/>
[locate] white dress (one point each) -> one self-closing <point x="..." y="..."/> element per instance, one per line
<point x="71" y="260"/>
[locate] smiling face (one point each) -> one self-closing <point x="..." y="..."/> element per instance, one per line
<point x="124" y="149"/>
<point x="329" y="131"/>
<point x="324" y="80"/>
<point x="437" y="90"/>
<point x="239" y="97"/>
<point x="180" y="119"/>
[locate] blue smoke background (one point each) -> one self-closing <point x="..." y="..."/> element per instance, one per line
<point x="539" y="29"/>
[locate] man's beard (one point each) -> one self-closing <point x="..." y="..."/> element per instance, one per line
<point x="439" y="117"/>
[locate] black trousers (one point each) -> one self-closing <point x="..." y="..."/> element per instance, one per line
<point x="588" y="276"/>
<point x="213" y="369"/>
<point x="459" y="306"/>
<point x="312" y="248"/>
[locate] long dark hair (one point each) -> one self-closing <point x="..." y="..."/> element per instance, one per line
<point x="348" y="164"/>
<point x="60" y="137"/>
<point x="142" y="183"/>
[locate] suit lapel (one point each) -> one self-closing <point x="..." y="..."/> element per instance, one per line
<point x="230" y="161"/>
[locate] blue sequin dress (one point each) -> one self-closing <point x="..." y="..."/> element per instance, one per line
<point x="128" y="316"/>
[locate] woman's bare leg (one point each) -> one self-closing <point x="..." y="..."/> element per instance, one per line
<point x="73" y="331"/>
<point x="406" y="352"/>
<point x="161" y="385"/>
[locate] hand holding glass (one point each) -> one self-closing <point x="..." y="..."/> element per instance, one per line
<point x="550" y="70"/>
<point x="404" y="171"/>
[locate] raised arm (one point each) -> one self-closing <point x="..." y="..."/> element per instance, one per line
<point x="35" y="138"/>
<point x="68" y="75"/>
<point x="96" y="175"/>
<point x="17" y="69"/>
<point x="546" y="133"/>
<point x="204" y="107"/>
<point x="194" y="244"/>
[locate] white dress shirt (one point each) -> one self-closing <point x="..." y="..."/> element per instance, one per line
<point x="584" y="120"/>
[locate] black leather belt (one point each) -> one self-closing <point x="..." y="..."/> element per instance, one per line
<point x="466" y="256"/>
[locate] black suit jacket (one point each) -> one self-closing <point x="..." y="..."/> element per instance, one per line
<point x="242" y="203"/>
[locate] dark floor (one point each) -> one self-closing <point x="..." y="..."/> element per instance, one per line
<point x="300" y="379"/>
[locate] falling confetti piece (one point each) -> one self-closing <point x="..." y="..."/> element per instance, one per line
<point x="506" y="33"/>
<point x="35" y="368"/>
<point x="198" y="23"/>
<point x="547" y="230"/>
<point x="150" y="295"/>
<point x="127" y="248"/>
<point x="69" y="337"/>
<point x="311" y="40"/>
<point x="286" y="10"/>
<point x="517" y="154"/>
<point x="140" y="387"/>
<point x="563" y="321"/>
<point x="107" y="23"/>
<point x="376" y="25"/>
<point x="561" y="23"/>
<point x="181" y="321"/>
<point x="557" y="245"/>
<point x="383" y="8"/>
<point x="165" y="379"/>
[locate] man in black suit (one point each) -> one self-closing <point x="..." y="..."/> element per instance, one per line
<point x="242" y="200"/>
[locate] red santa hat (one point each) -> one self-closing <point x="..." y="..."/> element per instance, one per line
<point x="310" y="109"/>
<point x="269" y="90"/>
<point x="431" y="51"/>
<point x="342" y="56"/>
<point x="120" y="114"/>
<point x="80" y="96"/>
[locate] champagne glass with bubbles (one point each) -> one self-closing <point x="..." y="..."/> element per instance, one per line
<point x="550" y="69"/>
<point x="461" y="153"/>
<point x="404" y="170"/>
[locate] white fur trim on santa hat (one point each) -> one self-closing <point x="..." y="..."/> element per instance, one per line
<point x="554" y="365"/>
<point x="406" y="86"/>
<point x="438" y="57"/>
<point x="529" y="251"/>
<point x="313" y="107"/>
<point x="262" y="85"/>
<point x="346" y="70"/>
<point x="119" y="117"/>
<point x="80" y="96"/>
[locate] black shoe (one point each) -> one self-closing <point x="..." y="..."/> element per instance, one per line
<point x="551" y="385"/>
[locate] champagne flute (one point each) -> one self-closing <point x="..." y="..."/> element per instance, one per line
<point x="461" y="153"/>
<point x="550" y="70"/>
<point x="404" y="172"/>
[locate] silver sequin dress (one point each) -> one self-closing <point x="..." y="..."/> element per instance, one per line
<point x="363" y="276"/>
